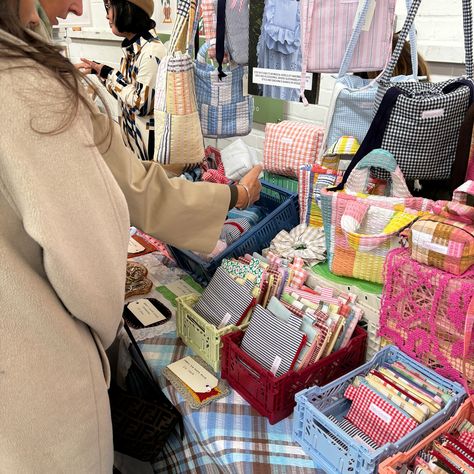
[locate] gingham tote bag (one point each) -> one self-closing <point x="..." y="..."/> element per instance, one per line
<point x="423" y="125"/>
<point x="223" y="109"/>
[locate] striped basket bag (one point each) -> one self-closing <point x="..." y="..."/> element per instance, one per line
<point x="361" y="228"/>
<point x="223" y="108"/>
<point x="178" y="136"/>
<point x="289" y="145"/>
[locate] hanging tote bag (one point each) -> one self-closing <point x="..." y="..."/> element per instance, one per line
<point x="142" y="417"/>
<point x="178" y="136"/>
<point x="223" y="109"/>
<point x="327" y="27"/>
<point x="419" y="122"/>
<point x="360" y="228"/>
<point x="353" y="98"/>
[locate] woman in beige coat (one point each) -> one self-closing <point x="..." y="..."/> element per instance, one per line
<point x="63" y="248"/>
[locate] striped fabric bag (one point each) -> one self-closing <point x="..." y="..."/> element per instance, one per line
<point x="223" y="108"/>
<point x="361" y="228"/>
<point x="327" y="27"/>
<point x="289" y="145"/>
<point x="178" y="136"/>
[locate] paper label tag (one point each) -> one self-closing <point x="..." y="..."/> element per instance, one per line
<point x="282" y="78"/>
<point x="194" y="375"/>
<point x="180" y="288"/>
<point x="245" y="85"/>
<point x="380" y="413"/>
<point x="225" y="320"/>
<point x="435" y="113"/>
<point x="145" y="312"/>
<point x="134" y="246"/>
<point x="276" y="365"/>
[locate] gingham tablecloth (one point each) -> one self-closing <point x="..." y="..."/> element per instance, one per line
<point x="227" y="436"/>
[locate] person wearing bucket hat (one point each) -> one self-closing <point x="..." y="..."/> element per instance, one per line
<point x="133" y="84"/>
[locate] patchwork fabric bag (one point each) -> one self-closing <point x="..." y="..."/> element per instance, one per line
<point x="327" y="27"/>
<point x="353" y="98"/>
<point x="223" y="109"/>
<point x="360" y="228"/>
<point x="178" y="136"/>
<point x="446" y="240"/>
<point x="419" y="122"/>
<point x="289" y="145"/>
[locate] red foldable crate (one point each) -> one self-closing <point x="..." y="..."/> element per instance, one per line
<point x="274" y="397"/>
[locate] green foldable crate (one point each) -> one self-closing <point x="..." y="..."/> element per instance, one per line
<point x="202" y="337"/>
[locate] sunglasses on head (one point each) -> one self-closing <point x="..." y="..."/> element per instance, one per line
<point x="107" y="5"/>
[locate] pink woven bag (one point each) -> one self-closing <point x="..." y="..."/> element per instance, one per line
<point x="289" y="145"/>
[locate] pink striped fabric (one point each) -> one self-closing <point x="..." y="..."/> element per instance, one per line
<point x="327" y="26"/>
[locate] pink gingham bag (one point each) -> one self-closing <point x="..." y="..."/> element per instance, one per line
<point x="289" y="145"/>
<point x="327" y="26"/>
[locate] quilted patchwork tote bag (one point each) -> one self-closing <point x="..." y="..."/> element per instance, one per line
<point x="178" y="136"/>
<point x="419" y="122"/>
<point x="352" y="102"/>
<point x="223" y="108"/>
<point x="327" y="27"/>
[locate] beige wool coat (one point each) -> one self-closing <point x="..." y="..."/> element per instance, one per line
<point x="63" y="242"/>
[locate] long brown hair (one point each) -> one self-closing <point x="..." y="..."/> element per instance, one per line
<point x="47" y="56"/>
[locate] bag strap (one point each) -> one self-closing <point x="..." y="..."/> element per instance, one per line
<point x="356" y="32"/>
<point x="220" y="36"/>
<point x="467" y="22"/>
<point x="185" y="27"/>
<point x="306" y="13"/>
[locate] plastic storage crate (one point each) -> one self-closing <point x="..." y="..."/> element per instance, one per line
<point x="368" y="298"/>
<point x="284" y="215"/>
<point x="274" y="397"/>
<point x="393" y="464"/>
<point x="330" y="447"/>
<point x="203" y="338"/>
<point x="290" y="184"/>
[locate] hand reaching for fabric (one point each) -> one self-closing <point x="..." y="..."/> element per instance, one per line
<point x="249" y="188"/>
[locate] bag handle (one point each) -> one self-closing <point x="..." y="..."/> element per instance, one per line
<point x="185" y="27"/>
<point x="353" y="216"/>
<point x="467" y="22"/>
<point x="380" y="158"/>
<point x="356" y="32"/>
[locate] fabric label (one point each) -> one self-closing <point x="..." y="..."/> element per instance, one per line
<point x="380" y="413"/>
<point x="225" y="320"/>
<point x="423" y="240"/>
<point x="194" y="375"/>
<point x="287" y="141"/>
<point x="276" y="365"/>
<point x="432" y="113"/>
<point x="134" y="246"/>
<point x="145" y="312"/>
<point x="245" y="85"/>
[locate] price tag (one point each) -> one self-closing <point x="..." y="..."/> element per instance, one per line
<point x="145" y="312"/>
<point x="194" y="375"/>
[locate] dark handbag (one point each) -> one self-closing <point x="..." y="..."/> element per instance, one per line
<point x="142" y="417"/>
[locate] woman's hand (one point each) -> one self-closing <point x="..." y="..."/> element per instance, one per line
<point x="249" y="188"/>
<point x="89" y="67"/>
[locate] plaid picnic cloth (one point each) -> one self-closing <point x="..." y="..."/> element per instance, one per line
<point x="227" y="436"/>
<point x="289" y="145"/>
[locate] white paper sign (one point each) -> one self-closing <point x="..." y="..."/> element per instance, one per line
<point x="180" y="288"/>
<point x="134" y="246"/>
<point x="145" y="312"/>
<point x="194" y="375"/>
<point x="277" y="77"/>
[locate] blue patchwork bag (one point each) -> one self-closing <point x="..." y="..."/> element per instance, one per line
<point x="224" y="110"/>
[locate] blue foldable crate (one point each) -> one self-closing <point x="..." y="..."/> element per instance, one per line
<point x="283" y="215"/>
<point x="330" y="447"/>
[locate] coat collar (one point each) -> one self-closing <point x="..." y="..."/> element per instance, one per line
<point x="135" y="44"/>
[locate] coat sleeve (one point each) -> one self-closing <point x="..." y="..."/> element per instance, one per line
<point x="66" y="198"/>
<point x="140" y="94"/>
<point x="181" y="213"/>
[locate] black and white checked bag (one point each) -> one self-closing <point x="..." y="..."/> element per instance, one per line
<point x="423" y="127"/>
<point x="224" y="298"/>
<point x="269" y="337"/>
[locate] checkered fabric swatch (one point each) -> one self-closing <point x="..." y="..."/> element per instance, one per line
<point x="271" y="342"/>
<point x="225" y="300"/>
<point x="375" y="416"/>
<point x="289" y="145"/>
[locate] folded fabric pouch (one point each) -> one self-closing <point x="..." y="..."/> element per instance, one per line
<point x="375" y="415"/>
<point x="225" y="301"/>
<point x="254" y="214"/>
<point x="273" y="343"/>
<point x="234" y="228"/>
